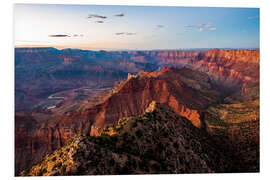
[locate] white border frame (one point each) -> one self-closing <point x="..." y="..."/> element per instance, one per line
<point x="7" y="82"/>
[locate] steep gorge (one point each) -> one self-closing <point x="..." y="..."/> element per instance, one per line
<point x="233" y="74"/>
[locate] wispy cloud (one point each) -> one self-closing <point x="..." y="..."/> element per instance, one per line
<point x="120" y="33"/>
<point x="96" y="16"/>
<point x="253" y="17"/>
<point x="160" y="26"/>
<point x="129" y="34"/>
<point x="65" y="35"/>
<point x="189" y="26"/>
<point x="77" y="35"/>
<point x="99" y="22"/>
<point x="125" y="33"/>
<point x="192" y="27"/>
<point x="199" y="27"/>
<point x="212" y="28"/>
<point x="119" y="15"/>
<point x="59" y="35"/>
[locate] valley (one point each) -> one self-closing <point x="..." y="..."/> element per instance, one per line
<point x="86" y="95"/>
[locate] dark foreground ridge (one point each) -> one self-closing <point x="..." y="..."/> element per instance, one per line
<point x="157" y="142"/>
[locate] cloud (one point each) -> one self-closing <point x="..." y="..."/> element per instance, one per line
<point x="96" y="16"/>
<point x="77" y="35"/>
<point x="190" y="26"/>
<point x="65" y="35"/>
<point x="199" y="27"/>
<point x="125" y="33"/>
<point x="119" y="15"/>
<point x="212" y="28"/>
<point x="204" y="25"/>
<point x="59" y="35"/>
<point x="160" y="26"/>
<point x="120" y="33"/>
<point x="99" y="22"/>
<point x="129" y="33"/>
<point x="253" y="17"/>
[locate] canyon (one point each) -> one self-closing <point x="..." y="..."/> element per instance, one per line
<point x="199" y="86"/>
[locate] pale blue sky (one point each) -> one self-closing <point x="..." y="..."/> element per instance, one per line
<point x="139" y="27"/>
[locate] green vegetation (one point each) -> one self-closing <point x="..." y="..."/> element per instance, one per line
<point x="232" y="115"/>
<point x="149" y="143"/>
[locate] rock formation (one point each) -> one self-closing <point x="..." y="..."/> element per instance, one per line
<point x="208" y="80"/>
<point x="157" y="142"/>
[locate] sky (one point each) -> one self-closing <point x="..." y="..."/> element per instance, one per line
<point x="134" y="27"/>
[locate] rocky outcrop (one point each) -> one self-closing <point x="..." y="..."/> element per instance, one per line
<point x="179" y="88"/>
<point x="156" y="142"/>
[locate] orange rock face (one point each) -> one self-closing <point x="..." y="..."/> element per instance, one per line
<point x="164" y="86"/>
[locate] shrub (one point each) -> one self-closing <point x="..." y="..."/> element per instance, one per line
<point x="139" y="133"/>
<point x="134" y="124"/>
<point x="44" y="170"/>
<point x="112" y="162"/>
<point x="39" y="172"/>
<point x="175" y="145"/>
<point x="64" y="167"/>
<point x="156" y="167"/>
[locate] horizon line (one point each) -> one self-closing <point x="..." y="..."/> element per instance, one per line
<point x="105" y="49"/>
